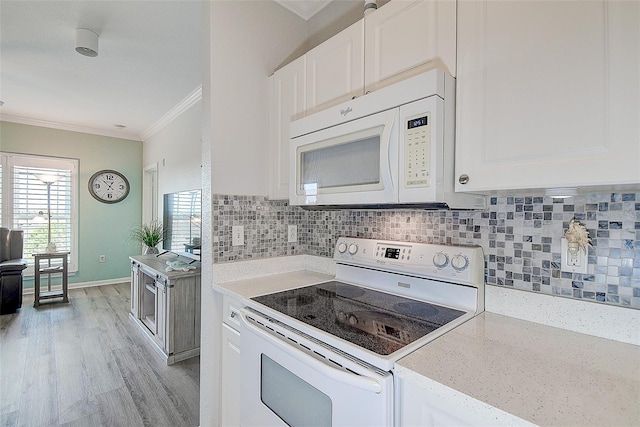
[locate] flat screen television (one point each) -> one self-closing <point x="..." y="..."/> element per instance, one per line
<point x="182" y="223"/>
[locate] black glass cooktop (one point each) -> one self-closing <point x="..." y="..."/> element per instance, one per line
<point x="377" y="321"/>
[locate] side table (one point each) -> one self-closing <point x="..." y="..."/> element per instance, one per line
<point x="50" y="268"/>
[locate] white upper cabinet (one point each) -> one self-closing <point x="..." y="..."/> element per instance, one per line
<point x="548" y="94"/>
<point x="287" y="99"/>
<point x="401" y="39"/>
<point x="405" y="37"/>
<point x="335" y="69"/>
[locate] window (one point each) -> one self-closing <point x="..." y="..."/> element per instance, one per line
<point x="39" y="196"/>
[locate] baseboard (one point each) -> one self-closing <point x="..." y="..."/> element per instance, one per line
<point x="29" y="291"/>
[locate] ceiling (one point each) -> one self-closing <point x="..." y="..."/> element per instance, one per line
<point x="148" y="64"/>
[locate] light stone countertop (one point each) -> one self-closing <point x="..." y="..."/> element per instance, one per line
<point x="544" y="375"/>
<point x="249" y="288"/>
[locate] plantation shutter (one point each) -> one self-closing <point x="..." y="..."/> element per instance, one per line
<point x="28" y="199"/>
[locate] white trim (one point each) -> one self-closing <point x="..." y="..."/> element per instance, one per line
<point x="305" y="10"/>
<point x="175" y="112"/>
<point x="121" y="134"/>
<point x="150" y="201"/>
<point x="29" y="291"/>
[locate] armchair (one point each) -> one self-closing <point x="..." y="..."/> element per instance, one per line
<point x="11" y="266"/>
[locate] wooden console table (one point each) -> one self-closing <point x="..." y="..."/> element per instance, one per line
<point x="48" y="268"/>
<point x="165" y="305"/>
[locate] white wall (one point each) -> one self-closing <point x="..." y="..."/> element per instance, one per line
<point x="177" y="150"/>
<point x="249" y="39"/>
<point x="244" y="43"/>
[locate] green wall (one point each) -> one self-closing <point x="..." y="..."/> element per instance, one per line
<point x="103" y="228"/>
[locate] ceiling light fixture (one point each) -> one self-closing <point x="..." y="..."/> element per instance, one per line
<point x="86" y="42"/>
<point x="561" y="193"/>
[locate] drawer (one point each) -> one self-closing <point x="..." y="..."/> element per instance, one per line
<point x="231" y="311"/>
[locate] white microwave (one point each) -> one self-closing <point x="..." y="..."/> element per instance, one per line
<point x="390" y="148"/>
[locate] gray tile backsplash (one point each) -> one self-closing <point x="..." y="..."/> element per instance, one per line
<point x="520" y="237"/>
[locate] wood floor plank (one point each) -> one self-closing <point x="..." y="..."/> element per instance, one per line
<point x="142" y="382"/>
<point x="85" y="363"/>
<point x="13" y="356"/>
<point x="73" y="382"/>
<point x="38" y="403"/>
<point x="116" y="408"/>
<point x="10" y="419"/>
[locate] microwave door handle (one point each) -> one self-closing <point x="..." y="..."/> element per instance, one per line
<point x="361" y="382"/>
<point x="392" y="149"/>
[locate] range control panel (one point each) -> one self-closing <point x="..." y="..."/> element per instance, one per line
<point x="464" y="263"/>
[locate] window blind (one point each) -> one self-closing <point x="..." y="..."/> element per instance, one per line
<point x="31" y="213"/>
<point x="29" y="205"/>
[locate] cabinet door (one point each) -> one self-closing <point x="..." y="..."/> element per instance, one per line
<point x="406" y="37"/>
<point x="161" y="315"/>
<point x="420" y="408"/>
<point x="230" y="377"/>
<point x="287" y="103"/>
<point x="335" y="69"/>
<point x="135" y="289"/>
<point x="547" y="94"/>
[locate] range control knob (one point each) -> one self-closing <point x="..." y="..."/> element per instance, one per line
<point x="440" y="260"/>
<point x="460" y="262"/>
<point x="353" y="248"/>
<point x="342" y="247"/>
<point x="353" y="320"/>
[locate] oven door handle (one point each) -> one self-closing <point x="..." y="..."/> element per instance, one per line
<point x="355" y="380"/>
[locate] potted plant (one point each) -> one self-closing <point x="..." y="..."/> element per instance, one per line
<point x="149" y="235"/>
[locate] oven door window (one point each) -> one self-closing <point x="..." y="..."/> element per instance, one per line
<point x="295" y="401"/>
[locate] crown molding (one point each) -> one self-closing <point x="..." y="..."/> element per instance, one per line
<point x="304" y="9"/>
<point x="175" y="112"/>
<point x="121" y="133"/>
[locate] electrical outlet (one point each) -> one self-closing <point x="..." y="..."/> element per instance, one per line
<point x="102" y="258"/>
<point x="292" y="234"/>
<point x="574" y="263"/>
<point x="237" y="235"/>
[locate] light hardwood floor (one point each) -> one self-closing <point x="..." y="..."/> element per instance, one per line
<point x="86" y="364"/>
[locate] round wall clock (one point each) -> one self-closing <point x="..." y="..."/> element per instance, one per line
<point x="108" y="186"/>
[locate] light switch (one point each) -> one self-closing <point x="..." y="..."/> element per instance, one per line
<point x="292" y="234"/>
<point x="237" y="235"/>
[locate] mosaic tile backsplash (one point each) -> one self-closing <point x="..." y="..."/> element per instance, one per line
<point x="520" y="237"/>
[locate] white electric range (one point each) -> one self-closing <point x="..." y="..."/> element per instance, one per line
<point x="323" y="354"/>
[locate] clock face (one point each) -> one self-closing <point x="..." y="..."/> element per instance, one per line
<point x="108" y="186"/>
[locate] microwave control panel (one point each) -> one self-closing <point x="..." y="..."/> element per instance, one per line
<point x="417" y="150"/>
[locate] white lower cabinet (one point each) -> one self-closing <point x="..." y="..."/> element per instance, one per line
<point x="548" y="94"/>
<point x="422" y="402"/>
<point x="230" y="364"/>
<point x="230" y="377"/>
<point x="418" y="408"/>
